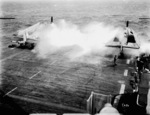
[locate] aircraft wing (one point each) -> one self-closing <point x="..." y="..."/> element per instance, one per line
<point x="131" y="47"/>
<point x="113" y="44"/>
<point x="123" y="46"/>
<point x="18" y="38"/>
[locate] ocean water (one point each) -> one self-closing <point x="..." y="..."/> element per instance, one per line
<point x="79" y="13"/>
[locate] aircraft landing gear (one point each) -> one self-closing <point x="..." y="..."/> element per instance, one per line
<point x="12" y="46"/>
<point x="29" y="45"/>
<point x="22" y="45"/>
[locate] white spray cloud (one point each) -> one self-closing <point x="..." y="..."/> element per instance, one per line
<point x="74" y="41"/>
<point x="86" y="43"/>
<point x="145" y="47"/>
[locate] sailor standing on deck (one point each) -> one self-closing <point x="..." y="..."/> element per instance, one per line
<point x="115" y="59"/>
<point x="140" y="65"/>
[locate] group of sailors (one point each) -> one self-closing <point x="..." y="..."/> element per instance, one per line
<point x="142" y="65"/>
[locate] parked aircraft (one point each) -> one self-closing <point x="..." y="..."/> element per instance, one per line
<point x="130" y="38"/>
<point x="27" y="38"/>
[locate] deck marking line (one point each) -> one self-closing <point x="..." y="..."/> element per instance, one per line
<point x="10" y="57"/>
<point x="122" y="89"/>
<point x="128" y="61"/>
<point x="125" y="72"/>
<point x="64" y="71"/>
<point x="148" y="100"/>
<point x="35" y="75"/>
<point x="10" y="91"/>
<point x="54" y="62"/>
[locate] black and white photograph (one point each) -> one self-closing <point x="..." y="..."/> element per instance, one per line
<point x="74" y="57"/>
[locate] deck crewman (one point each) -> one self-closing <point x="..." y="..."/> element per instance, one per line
<point x="139" y="67"/>
<point x="115" y="59"/>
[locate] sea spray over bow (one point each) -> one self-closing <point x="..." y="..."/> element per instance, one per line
<point x="75" y="41"/>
